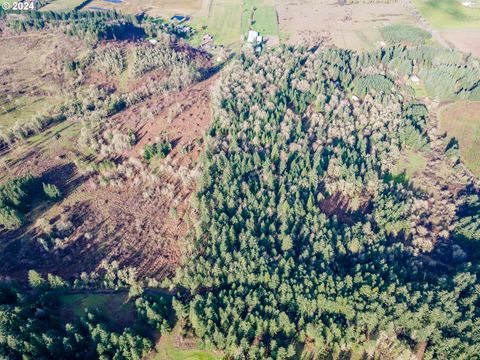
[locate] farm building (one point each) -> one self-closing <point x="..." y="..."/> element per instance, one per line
<point x="254" y="38"/>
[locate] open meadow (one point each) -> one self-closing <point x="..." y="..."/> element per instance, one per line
<point x="166" y="8"/>
<point x="449" y="14"/>
<point x="62" y="5"/>
<point x="461" y="120"/>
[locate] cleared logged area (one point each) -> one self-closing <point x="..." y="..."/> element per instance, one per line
<point x="43" y="83"/>
<point x="462" y="121"/>
<point x="31" y="88"/>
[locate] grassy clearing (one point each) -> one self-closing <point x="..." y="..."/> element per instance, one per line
<point x="24" y="108"/>
<point x="163" y="8"/>
<point x="419" y="90"/>
<point x="225" y="21"/>
<point x="448" y="14"/>
<point x="461" y="120"/>
<point x="247" y="14"/>
<point x="359" y="40"/>
<point x="62" y="5"/>
<point x="410" y="163"/>
<point x="264" y="16"/>
<point x="114" y="307"/>
<point x="265" y="20"/>
<point x="120" y="312"/>
<point x="168" y="350"/>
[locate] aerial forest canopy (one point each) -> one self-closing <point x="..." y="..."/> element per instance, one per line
<point x="306" y="238"/>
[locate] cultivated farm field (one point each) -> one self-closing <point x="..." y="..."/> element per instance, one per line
<point x="355" y="26"/>
<point x="454" y="22"/>
<point x="62" y="5"/>
<point x="449" y="14"/>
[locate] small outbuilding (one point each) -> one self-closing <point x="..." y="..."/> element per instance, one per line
<point x="414" y="78"/>
<point x="252" y="37"/>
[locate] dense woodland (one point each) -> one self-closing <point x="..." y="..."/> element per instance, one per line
<point x="305" y="237"/>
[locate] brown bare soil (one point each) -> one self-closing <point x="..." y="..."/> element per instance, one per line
<point x="193" y="107"/>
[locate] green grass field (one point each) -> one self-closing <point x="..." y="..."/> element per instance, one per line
<point x="23" y="109"/>
<point x="263" y="14"/>
<point x="265" y="20"/>
<point x="224" y="21"/>
<point x="114" y="307"/>
<point x="448" y="14"/>
<point x="59" y="5"/>
<point x="229" y="21"/>
<point x="461" y="120"/>
<point x="167" y="350"/>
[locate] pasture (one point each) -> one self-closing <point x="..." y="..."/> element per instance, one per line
<point x="115" y="307"/>
<point x="356" y="26"/>
<point x="165" y="8"/>
<point x="224" y="21"/>
<point x="170" y="348"/>
<point x="461" y="120"/>
<point x="265" y="20"/>
<point x="449" y="14"/>
<point x="62" y="5"/>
